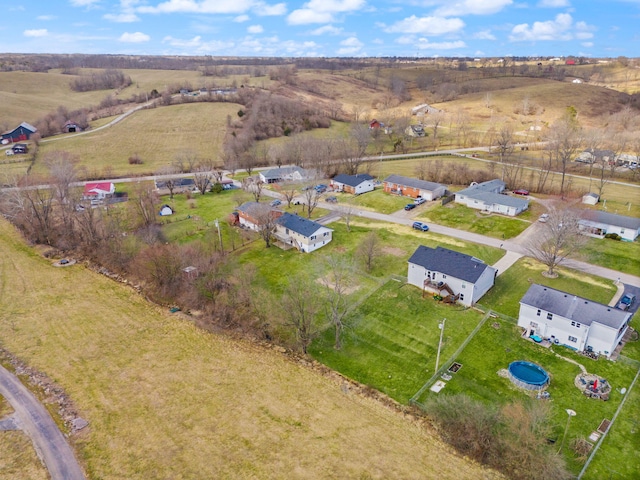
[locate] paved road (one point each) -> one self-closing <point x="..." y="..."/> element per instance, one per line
<point x="36" y="422"/>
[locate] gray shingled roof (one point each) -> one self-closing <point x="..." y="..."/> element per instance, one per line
<point x="414" y="183"/>
<point x="499" y="199"/>
<point x="276" y="173"/>
<point x="573" y="307"/>
<point x="352" y="180"/>
<point x="489" y="186"/>
<point x="443" y="260"/>
<point x="245" y="207"/>
<point x="598" y="216"/>
<point x="298" y="224"/>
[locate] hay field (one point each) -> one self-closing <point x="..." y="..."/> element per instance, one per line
<point x="157" y="135"/>
<point x="167" y="400"/>
<point x="27" y="96"/>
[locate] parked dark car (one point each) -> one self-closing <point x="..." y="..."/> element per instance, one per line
<point x="321" y="188"/>
<point x="521" y="191"/>
<point x="410" y="206"/>
<point x="275" y="203"/>
<point x="332" y="199"/>
<point x="626" y="301"/>
<point x="421" y="226"/>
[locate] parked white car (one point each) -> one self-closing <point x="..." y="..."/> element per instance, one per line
<point x="8" y="152"/>
<point x="543" y="218"/>
<point x="419" y="201"/>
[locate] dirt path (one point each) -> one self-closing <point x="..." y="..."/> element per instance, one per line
<point x="36" y="422"/>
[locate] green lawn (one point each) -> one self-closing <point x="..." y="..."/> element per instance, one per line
<point x="459" y="216"/>
<point x="498" y="343"/>
<point x="622" y="256"/>
<point x="377" y="201"/>
<point x="511" y="286"/>
<point x="392" y="340"/>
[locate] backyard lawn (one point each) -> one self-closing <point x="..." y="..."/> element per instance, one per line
<point x="392" y="339"/>
<point x="622" y="256"/>
<point x="376" y="200"/>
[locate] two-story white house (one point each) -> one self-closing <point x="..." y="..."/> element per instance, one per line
<point x="465" y="276"/>
<point x="572" y="321"/>
<point x="302" y="233"/>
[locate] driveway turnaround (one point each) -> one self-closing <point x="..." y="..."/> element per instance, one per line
<point x="36" y="422"/>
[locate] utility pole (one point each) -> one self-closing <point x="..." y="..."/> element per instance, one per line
<point x="441" y="327"/>
<point x="219" y="235"/>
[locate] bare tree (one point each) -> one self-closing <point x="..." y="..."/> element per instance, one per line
<point x="254" y="186"/>
<point x="171" y="182"/>
<point x="337" y="284"/>
<point x="266" y="220"/>
<point x="564" y="139"/>
<point x="186" y="161"/>
<point x="63" y="171"/>
<point x="143" y="202"/>
<point x="557" y="239"/>
<point x="202" y="178"/>
<point x="311" y="198"/>
<point x="421" y="170"/>
<point x="299" y="310"/>
<point x="289" y="191"/>
<point x="32" y="209"/>
<point x="504" y="144"/>
<point x="435" y="121"/>
<point x="369" y="250"/>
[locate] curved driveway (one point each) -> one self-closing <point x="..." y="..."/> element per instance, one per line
<point x="36" y="422"/>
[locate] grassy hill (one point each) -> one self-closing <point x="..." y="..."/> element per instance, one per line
<point x="167" y="400"/>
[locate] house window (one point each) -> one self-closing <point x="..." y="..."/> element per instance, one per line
<point x="572" y="339"/>
<point x="549" y="316"/>
<point x="444" y="276"/>
<point x="313" y="237"/>
<point x="464" y="285"/>
<point x="462" y="296"/>
<point x="538" y="314"/>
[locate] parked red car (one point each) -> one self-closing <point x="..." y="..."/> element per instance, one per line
<point x="521" y="192"/>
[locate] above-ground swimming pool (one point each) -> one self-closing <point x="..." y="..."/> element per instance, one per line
<point x="528" y="375"/>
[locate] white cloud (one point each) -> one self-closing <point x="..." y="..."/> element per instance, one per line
<point x="587" y="44"/>
<point x="426" y="25"/>
<point x="121" y="17"/>
<point x="305" y="16"/>
<point x="137" y="37"/>
<point x="46" y="18"/>
<point x="471" y="7"/>
<point x="553" y="3"/>
<point x="484" y="35"/>
<point x="323" y="11"/>
<point x="561" y="28"/>
<point x="83" y="3"/>
<point x="265" y="10"/>
<point x="215" y="6"/>
<point x="350" y="46"/>
<point x="241" y="18"/>
<point x="176" y="42"/>
<point x="42" y="32"/>
<point x="255" y="29"/>
<point x="327" y="30"/>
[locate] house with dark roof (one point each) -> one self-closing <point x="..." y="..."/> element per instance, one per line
<point x="487" y="196"/>
<point x="283" y="174"/>
<point x="439" y="269"/>
<point x="302" y="233"/>
<point x="414" y="188"/>
<point x="573" y="321"/>
<point x="19" y="134"/>
<point x="180" y="185"/>
<point x="597" y="223"/>
<point x="356" y="184"/>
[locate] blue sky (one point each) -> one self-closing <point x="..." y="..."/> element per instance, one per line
<point x="425" y="28"/>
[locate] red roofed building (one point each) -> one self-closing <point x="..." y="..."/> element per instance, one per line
<point x="99" y="190"/>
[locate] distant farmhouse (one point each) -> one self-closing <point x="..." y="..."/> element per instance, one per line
<point x="180" y="185"/>
<point x="98" y="190"/>
<point x="592" y="156"/>
<point x="19" y="134"/>
<point x="283" y="174"/>
<point x="415" y="131"/>
<point x="487" y="197"/>
<point x="424" y="109"/>
<point x="464" y="277"/>
<point x="596" y="223"/>
<point x="414" y="188"/>
<point x="356" y="184"/>
<point x="573" y="321"/>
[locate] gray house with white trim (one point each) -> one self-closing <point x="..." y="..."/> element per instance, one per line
<point x="597" y="223"/>
<point x="573" y="321"/>
<point x="487" y="196"/>
<point x="467" y="277"/>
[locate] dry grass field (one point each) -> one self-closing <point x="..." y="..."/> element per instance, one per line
<point x="157" y="135"/>
<point x="18" y="459"/>
<point x="167" y="400"/>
